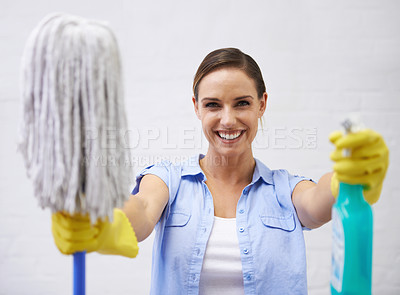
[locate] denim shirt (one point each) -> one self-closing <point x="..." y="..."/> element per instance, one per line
<point x="270" y="235"/>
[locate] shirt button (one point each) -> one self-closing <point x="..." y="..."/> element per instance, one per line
<point x="198" y="251"/>
<point x="248" y="277"/>
<point x="246" y="251"/>
<point x="241" y="229"/>
<point x="241" y="211"/>
<point x="245" y="191"/>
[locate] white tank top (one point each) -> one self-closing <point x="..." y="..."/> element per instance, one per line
<point x="222" y="267"/>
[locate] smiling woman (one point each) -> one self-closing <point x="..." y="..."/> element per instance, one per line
<point x="227" y="191"/>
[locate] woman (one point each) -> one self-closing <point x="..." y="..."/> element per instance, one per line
<point x="224" y="221"/>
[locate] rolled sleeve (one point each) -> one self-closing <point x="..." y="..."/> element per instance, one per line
<point x="295" y="179"/>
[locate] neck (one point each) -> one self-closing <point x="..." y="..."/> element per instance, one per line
<point x="234" y="170"/>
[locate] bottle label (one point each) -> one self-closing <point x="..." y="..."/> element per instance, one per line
<point x="337" y="251"/>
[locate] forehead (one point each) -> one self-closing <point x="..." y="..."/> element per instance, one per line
<point x="226" y="81"/>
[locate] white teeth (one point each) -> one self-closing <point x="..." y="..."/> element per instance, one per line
<point x="229" y="136"/>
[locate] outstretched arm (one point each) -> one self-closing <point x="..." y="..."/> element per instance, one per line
<point x="366" y="164"/>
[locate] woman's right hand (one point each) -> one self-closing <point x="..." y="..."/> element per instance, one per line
<point x="75" y="233"/>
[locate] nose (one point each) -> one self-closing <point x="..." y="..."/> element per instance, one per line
<point x="228" y="118"/>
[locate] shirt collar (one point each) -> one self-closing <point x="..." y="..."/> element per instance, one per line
<point x="263" y="172"/>
<point x="192" y="167"/>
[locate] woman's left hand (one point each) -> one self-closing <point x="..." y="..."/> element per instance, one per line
<point x="366" y="163"/>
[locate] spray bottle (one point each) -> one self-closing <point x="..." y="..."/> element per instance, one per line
<point x="352" y="224"/>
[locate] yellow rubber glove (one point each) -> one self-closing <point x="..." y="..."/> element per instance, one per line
<point x="76" y="233"/>
<point x="366" y="163"/>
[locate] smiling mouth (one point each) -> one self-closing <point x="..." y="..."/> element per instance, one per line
<point x="231" y="135"/>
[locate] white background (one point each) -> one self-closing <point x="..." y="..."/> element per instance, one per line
<point x="320" y="60"/>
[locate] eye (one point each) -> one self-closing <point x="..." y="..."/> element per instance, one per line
<point x="211" y="105"/>
<point x="243" y="103"/>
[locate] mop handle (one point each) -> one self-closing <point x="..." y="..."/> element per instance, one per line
<point x="79" y="273"/>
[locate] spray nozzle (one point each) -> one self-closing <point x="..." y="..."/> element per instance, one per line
<point x="351" y="124"/>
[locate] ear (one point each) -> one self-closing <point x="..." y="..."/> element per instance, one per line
<point x="263" y="104"/>
<point x="196" y="107"/>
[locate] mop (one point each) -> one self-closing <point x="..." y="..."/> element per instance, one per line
<point x="73" y="120"/>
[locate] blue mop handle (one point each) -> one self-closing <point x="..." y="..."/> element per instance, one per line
<point x="79" y="273"/>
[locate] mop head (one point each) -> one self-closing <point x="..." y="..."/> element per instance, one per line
<point x="73" y="117"/>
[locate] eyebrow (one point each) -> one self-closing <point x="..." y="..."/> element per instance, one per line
<point x="217" y="99"/>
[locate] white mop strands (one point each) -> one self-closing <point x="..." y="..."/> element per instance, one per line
<point x="72" y="102"/>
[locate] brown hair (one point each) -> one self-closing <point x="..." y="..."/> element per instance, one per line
<point x="225" y="58"/>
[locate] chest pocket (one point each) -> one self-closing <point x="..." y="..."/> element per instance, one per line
<point x="177" y="219"/>
<point x="283" y="222"/>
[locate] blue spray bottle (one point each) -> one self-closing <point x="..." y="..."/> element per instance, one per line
<point x="352" y="228"/>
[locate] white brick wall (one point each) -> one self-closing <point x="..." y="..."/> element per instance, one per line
<point x="320" y="59"/>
